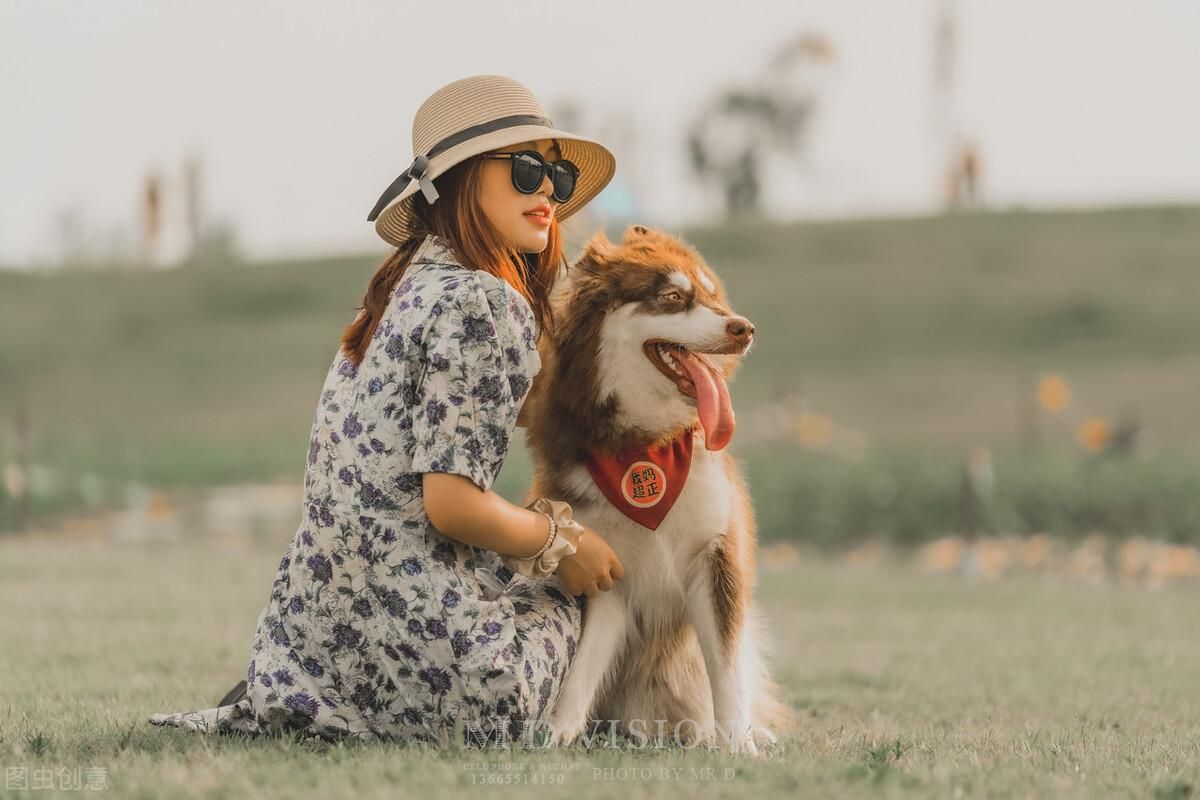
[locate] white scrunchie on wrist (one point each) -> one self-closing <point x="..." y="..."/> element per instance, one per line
<point x="566" y="540"/>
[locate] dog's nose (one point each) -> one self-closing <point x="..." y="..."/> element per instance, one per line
<point x="740" y="328"/>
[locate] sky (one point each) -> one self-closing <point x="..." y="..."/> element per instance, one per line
<point x="301" y="112"/>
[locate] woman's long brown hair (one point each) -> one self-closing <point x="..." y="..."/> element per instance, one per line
<point x="459" y="220"/>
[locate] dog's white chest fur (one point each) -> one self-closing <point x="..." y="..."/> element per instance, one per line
<point x="660" y="563"/>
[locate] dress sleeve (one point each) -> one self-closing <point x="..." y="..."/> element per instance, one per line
<point x="479" y="361"/>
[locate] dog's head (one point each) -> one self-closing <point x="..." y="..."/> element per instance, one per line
<point x="645" y="343"/>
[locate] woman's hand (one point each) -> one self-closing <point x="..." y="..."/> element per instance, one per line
<point x="592" y="568"/>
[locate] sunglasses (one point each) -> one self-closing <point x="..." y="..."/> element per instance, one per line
<point x="530" y="168"/>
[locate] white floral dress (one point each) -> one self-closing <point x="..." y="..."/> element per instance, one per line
<point x="379" y="626"/>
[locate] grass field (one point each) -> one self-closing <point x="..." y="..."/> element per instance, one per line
<point x="907" y="685"/>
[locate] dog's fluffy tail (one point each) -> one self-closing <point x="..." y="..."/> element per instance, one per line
<point x="767" y="710"/>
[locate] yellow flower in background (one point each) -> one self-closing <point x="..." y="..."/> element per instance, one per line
<point x="160" y="505"/>
<point x="1053" y="393"/>
<point x="814" y="430"/>
<point x="1093" y="434"/>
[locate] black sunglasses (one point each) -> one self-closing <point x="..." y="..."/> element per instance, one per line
<point x="530" y="168"/>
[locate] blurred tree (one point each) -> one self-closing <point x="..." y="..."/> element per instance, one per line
<point x="151" y="214"/>
<point x="963" y="175"/>
<point x="193" y="197"/>
<point x="962" y="165"/>
<point x="741" y="126"/>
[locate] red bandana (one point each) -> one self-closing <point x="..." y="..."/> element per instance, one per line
<point x="644" y="482"/>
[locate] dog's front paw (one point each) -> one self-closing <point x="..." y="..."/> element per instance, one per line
<point x="739" y="740"/>
<point x="765" y="737"/>
<point x="746" y="745"/>
<point x="565" y="729"/>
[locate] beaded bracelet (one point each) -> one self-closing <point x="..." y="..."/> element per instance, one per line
<point x="545" y="545"/>
<point x="562" y="541"/>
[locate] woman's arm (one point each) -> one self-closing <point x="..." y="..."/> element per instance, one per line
<point x="458" y="508"/>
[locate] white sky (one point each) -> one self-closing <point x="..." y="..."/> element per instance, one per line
<point x="303" y="110"/>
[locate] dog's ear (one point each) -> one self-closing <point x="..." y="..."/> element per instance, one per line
<point x="586" y="277"/>
<point x="634" y="231"/>
<point x="597" y="256"/>
<point x="599" y="247"/>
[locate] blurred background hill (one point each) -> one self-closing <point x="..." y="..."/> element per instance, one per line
<point x="921" y="336"/>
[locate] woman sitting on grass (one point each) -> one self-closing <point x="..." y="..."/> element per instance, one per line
<point x="412" y="597"/>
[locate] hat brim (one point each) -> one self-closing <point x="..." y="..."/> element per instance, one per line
<point x="395" y="224"/>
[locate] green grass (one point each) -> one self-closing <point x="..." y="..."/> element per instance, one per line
<point x="909" y="497"/>
<point x="902" y="496"/>
<point x="906" y="686"/>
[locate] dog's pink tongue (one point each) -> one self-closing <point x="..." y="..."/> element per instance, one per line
<point x="712" y="401"/>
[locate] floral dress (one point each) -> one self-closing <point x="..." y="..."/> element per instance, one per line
<point x="378" y="625"/>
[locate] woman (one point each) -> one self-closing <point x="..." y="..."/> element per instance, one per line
<point x="412" y="598"/>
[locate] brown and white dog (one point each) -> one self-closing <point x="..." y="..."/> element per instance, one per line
<point x="638" y="366"/>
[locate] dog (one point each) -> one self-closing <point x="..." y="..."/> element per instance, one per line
<point x="629" y="422"/>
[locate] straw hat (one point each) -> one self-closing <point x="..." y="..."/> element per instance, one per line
<point x="472" y="116"/>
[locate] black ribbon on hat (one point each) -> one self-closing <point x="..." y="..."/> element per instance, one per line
<point x="418" y="170"/>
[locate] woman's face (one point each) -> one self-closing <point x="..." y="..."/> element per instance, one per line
<point x="508" y="210"/>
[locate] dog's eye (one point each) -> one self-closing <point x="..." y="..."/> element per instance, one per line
<point x="673" y="296"/>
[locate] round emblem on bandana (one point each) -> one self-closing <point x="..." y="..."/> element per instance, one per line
<point x="644" y="484"/>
